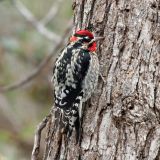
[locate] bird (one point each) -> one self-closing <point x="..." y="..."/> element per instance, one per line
<point x="75" y="77"/>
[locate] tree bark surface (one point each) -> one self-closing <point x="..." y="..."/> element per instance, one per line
<point x="122" y="119"/>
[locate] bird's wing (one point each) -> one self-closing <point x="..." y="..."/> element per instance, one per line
<point x="70" y="70"/>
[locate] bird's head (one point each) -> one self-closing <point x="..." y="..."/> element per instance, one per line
<point x="86" y="38"/>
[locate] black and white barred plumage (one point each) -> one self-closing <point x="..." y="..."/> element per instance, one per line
<point x="75" y="78"/>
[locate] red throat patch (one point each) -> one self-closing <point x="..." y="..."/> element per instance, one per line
<point x="92" y="47"/>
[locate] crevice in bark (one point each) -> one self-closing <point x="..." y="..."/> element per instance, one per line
<point x="105" y="19"/>
<point x="145" y="150"/>
<point x="158" y="155"/>
<point x="81" y="14"/>
<point x="129" y="96"/>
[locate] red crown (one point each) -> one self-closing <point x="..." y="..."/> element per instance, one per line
<point x="85" y="33"/>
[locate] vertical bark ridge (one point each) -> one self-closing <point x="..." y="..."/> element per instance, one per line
<point x="122" y="120"/>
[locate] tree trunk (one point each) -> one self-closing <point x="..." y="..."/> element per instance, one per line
<point x="122" y="119"/>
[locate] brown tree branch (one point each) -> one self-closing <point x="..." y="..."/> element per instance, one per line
<point x="37" y="138"/>
<point x="37" y="70"/>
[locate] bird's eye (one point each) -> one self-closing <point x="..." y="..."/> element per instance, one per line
<point x="86" y="37"/>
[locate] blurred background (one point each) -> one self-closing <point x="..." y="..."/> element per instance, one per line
<point x="28" y="31"/>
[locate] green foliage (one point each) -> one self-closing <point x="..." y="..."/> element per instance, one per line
<point x="4" y="136"/>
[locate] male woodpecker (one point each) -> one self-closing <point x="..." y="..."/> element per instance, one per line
<point x="75" y="77"/>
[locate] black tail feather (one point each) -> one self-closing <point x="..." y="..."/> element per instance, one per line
<point x="69" y="119"/>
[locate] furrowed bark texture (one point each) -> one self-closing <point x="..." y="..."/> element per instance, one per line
<point x="122" y="119"/>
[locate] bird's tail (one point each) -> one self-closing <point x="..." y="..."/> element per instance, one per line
<point x="69" y="119"/>
<point x="76" y="117"/>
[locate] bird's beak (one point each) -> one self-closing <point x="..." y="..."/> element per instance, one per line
<point x="98" y="38"/>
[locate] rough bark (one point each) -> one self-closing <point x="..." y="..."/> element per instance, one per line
<point x="122" y="119"/>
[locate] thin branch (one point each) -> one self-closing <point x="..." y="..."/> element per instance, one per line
<point x="37" y="70"/>
<point x="52" y="12"/>
<point x="30" y="18"/>
<point x="37" y="138"/>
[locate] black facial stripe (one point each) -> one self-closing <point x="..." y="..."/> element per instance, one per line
<point x="85" y="40"/>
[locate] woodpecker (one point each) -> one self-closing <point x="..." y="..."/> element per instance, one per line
<point x="75" y="77"/>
